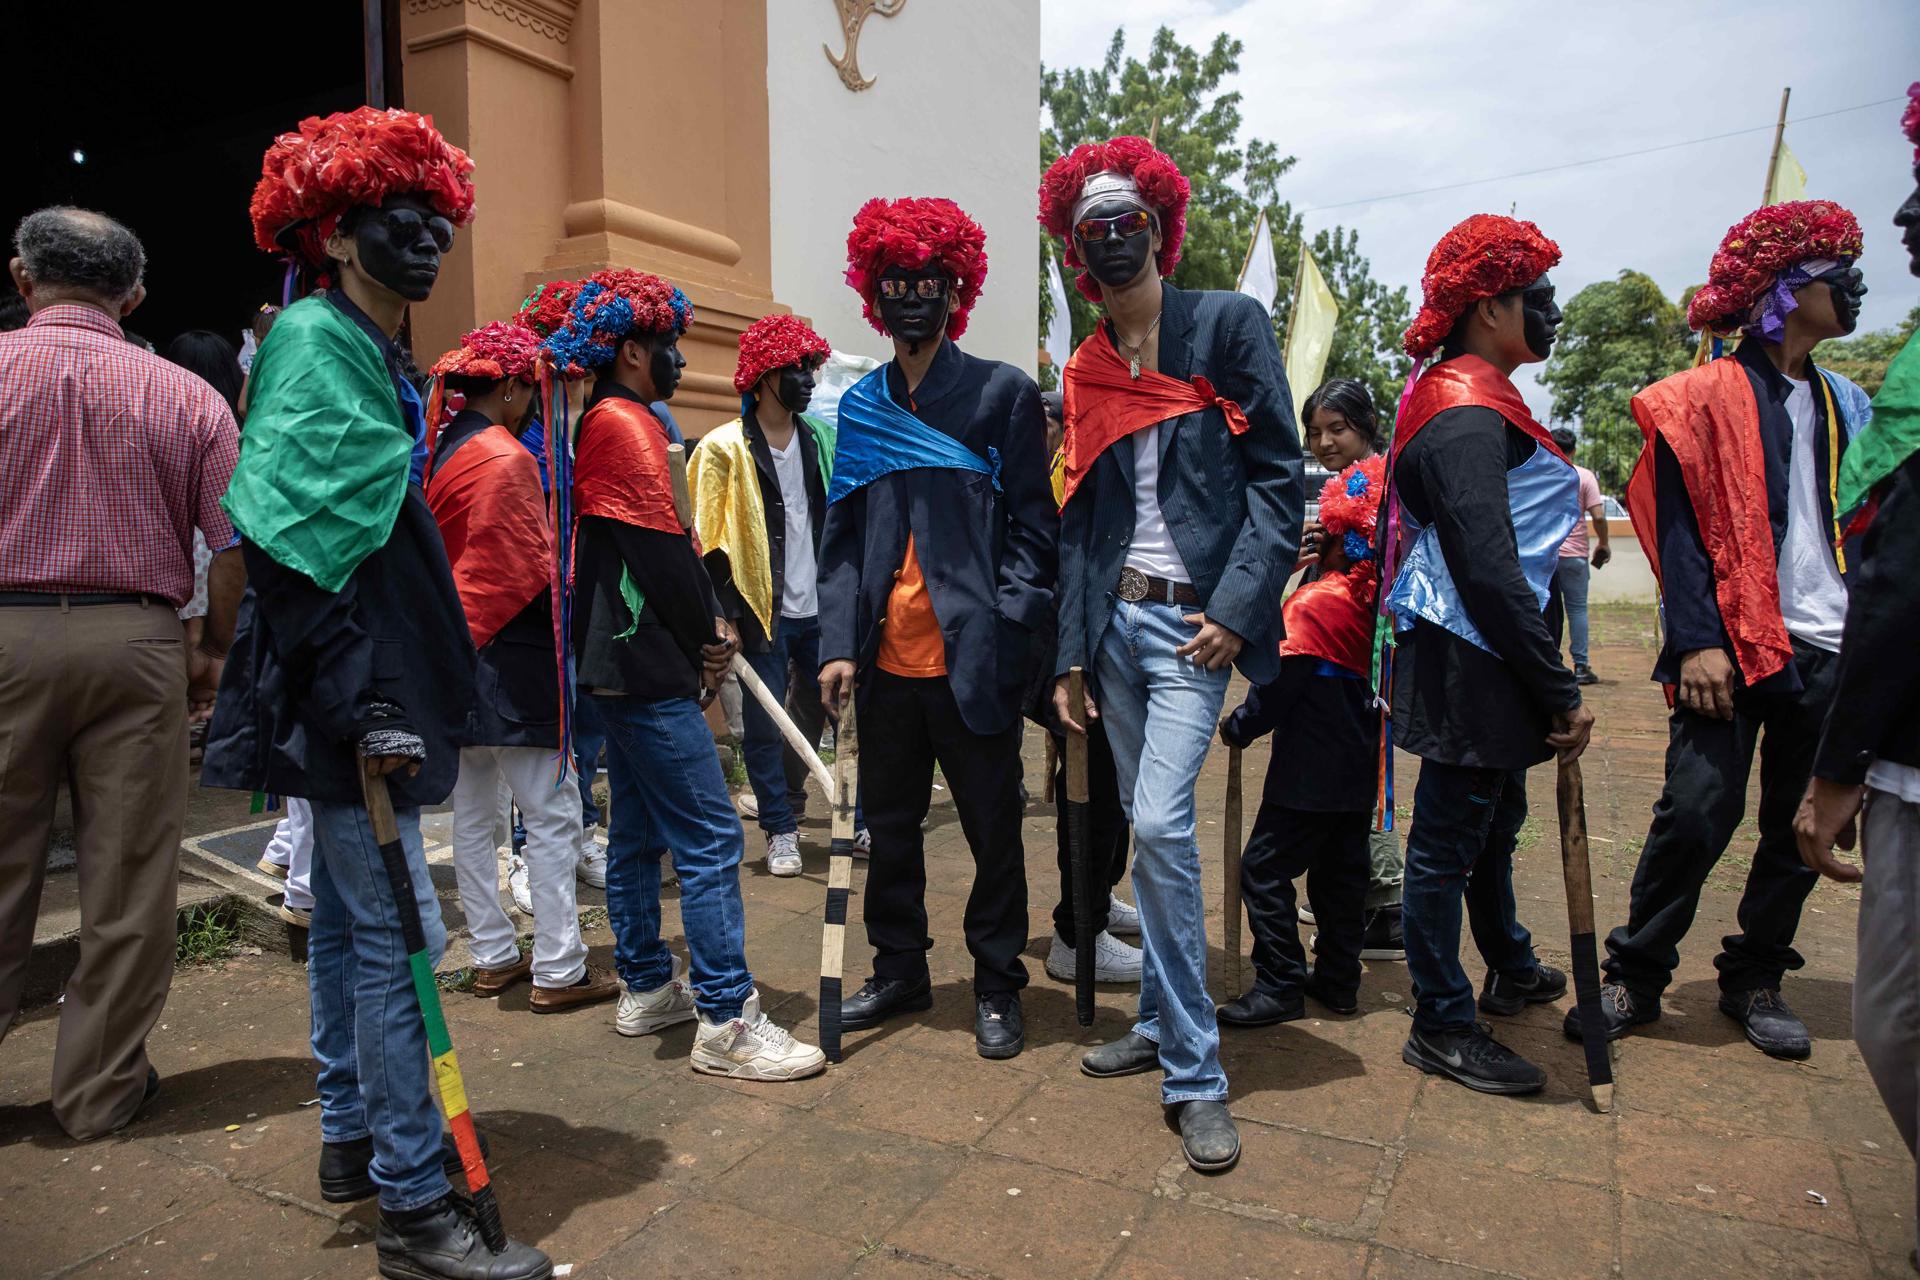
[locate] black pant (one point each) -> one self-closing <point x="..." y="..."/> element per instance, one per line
<point x="1331" y="850"/>
<point x="1107" y="829"/>
<point x="1708" y="761"/>
<point x="906" y="725"/>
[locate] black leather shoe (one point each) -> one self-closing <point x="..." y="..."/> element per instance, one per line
<point x="442" y="1242"/>
<point x="1208" y="1137"/>
<point x="1620" y="1009"/>
<point x="343" y="1167"/>
<point x="1338" y="1001"/>
<point x="1261" y="1008"/>
<point x="998" y="1029"/>
<point x="1131" y="1054"/>
<point x="882" y="998"/>
<point x="1583" y="674"/>
<point x="1774" y="1029"/>
<point x="1507" y="995"/>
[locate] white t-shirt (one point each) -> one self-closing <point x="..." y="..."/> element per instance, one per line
<point x="1152" y="551"/>
<point x="1813" y="600"/>
<point x="800" y="591"/>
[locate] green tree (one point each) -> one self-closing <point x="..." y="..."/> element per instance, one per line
<point x="1176" y="96"/>
<point x="1865" y="356"/>
<point x="1618" y="337"/>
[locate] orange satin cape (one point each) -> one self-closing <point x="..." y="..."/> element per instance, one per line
<point x="486" y="499"/>
<point x="1104" y="402"/>
<point x="620" y="467"/>
<point x="1462" y="382"/>
<point x="1711" y="422"/>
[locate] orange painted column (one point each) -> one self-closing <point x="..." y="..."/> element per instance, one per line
<point x="624" y="133"/>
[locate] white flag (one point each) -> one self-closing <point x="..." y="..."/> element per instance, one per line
<point x="1060" y="331"/>
<point x="1260" y="278"/>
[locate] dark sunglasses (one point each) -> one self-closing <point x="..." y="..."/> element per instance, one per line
<point x="932" y="288"/>
<point x="1128" y="225"/>
<point x="405" y="225"/>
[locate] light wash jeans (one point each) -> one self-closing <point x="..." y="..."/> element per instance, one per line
<point x="368" y="1033"/>
<point x="1161" y="711"/>
<point x="551" y="815"/>
<point x="1573" y="573"/>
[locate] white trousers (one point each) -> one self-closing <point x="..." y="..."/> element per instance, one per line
<point x="552" y="817"/>
<point x="292" y="848"/>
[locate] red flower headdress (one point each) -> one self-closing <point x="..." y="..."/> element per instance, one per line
<point x="1763" y="244"/>
<point x="774" y="342"/>
<point x="331" y="164"/>
<point x="493" y="351"/>
<point x="610" y="306"/>
<point x="1910" y="119"/>
<point x="1483" y="257"/>
<point x="1161" y="185"/>
<point x="545" y="309"/>
<point x="913" y="233"/>
<point x="1350" y="506"/>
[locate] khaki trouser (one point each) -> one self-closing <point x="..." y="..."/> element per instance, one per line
<point x="96" y="694"/>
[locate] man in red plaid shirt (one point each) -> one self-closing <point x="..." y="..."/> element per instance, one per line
<point x="109" y="458"/>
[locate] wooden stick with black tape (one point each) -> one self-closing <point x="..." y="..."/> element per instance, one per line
<point x="833" y="935"/>
<point x="1586" y="962"/>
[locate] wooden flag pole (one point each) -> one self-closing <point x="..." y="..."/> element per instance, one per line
<point x="1779" y="135"/>
<point x="1247" y="263"/>
<point x="1293" y="301"/>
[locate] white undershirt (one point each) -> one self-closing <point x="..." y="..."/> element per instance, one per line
<point x="799" y="591"/>
<point x="1152" y="551"/>
<point x="1813" y="599"/>
<point x="1899" y="780"/>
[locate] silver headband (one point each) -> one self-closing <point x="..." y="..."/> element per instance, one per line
<point x="1108" y="185"/>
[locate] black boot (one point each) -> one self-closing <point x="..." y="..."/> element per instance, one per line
<point x="1131" y="1054"/>
<point x="1771" y="1027"/>
<point x="883" y="998"/>
<point x="1620" y="1011"/>
<point x="998" y="1029"/>
<point x="1261" y="1008"/>
<point x="343" y="1167"/>
<point x="1208" y="1137"/>
<point x="441" y="1241"/>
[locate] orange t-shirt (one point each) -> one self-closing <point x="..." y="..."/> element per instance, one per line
<point x="910" y="640"/>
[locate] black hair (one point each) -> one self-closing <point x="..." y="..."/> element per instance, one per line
<point x="468" y="385"/>
<point x="1054" y="404"/>
<point x="1351" y="400"/>
<point x="212" y="357"/>
<point x="13" y="311"/>
<point x="1564" y="437"/>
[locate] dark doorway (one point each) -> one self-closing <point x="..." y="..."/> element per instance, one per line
<point x="159" y="119"/>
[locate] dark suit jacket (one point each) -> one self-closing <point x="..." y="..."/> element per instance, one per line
<point x="773" y="503"/>
<point x="1232" y="504"/>
<point x="988" y="556"/>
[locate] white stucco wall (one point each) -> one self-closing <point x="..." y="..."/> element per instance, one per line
<point x="954" y="111"/>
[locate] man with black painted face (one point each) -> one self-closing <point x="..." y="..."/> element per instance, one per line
<point x="760" y="500"/>
<point x="1182" y="505"/>
<point x="1483" y="499"/>
<point x="936" y="567"/>
<point x="1733" y="500"/>
<point x="352" y="643"/>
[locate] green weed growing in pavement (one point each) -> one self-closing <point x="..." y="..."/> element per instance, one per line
<point x="593" y="918"/>
<point x="459" y="980"/>
<point x="208" y="935"/>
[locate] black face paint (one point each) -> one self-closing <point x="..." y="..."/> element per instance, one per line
<point x="1115" y="260"/>
<point x="914" y="319"/>
<point x="400" y="244"/>
<point x="1542" y="316"/>
<point x="794" y="388"/>
<point x="664" y="363"/>
<point x="1847" y="287"/>
<point x="1908" y="220"/>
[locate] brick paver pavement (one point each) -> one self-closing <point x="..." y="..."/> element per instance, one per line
<point x="917" y="1159"/>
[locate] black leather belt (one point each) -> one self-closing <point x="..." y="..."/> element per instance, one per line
<point x="1135" y="586"/>
<point x="50" y="599"/>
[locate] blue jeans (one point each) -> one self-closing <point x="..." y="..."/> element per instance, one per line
<point x="796" y="643"/>
<point x="1465" y="822"/>
<point x="589" y="735"/>
<point x="1571" y="576"/>
<point x="368" y="1032"/>
<point x="1146" y="694"/>
<point x="671" y="796"/>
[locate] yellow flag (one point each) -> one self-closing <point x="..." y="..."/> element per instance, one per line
<point x="1309" y="331"/>
<point x="1789" y="179"/>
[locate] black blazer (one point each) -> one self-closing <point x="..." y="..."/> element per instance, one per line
<point x="773" y="503"/>
<point x="1233" y="504"/>
<point x="988" y="556"/>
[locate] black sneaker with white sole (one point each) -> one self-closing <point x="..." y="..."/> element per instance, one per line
<point x="1474" y="1058"/>
<point x="1504" y="994"/>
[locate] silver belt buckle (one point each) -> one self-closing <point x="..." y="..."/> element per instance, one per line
<point x="1133" y="585"/>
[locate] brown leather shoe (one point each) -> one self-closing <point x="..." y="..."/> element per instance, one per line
<point x="595" y="985"/>
<point x="491" y="982"/>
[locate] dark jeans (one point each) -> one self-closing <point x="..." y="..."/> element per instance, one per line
<point x="906" y="726"/>
<point x="1465" y="823"/>
<point x="1107" y="829"/>
<point x="1705" y="798"/>
<point x="1330" y="849"/>
<point x="778" y="775"/>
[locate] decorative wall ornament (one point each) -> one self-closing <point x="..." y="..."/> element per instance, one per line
<point x="853" y="16"/>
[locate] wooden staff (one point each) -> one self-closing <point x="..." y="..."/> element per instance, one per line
<point x="1586" y="962"/>
<point x="833" y="937"/>
<point x="682" y="496"/>
<point x="751" y="682"/>
<point x="1079" y="854"/>
<point x="1230" y="889"/>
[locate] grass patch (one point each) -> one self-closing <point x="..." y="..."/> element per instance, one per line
<point x="1529" y="833"/>
<point x="593" y="918"/>
<point x="736" y="767"/>
<point x="208" y="936"/>
<point x="459" y="980"/>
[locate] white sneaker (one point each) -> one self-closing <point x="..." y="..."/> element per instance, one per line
<point x="592" y="867"/>
<point x="752" y="1047"/>
<point x="667" y="1005"/>
<point x="517" y="883"/>
<point x="748" y="804"/>
<point x="1122" y="917"/>
<point x="783" y="854"/>
<point x="1305" y="913"/>
<point x="863" y="843"/>
<point x="1113" y="960"/>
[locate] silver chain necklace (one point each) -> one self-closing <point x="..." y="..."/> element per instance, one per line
<point x="1133" y="348"/>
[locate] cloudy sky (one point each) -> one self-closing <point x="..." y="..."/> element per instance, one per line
<point x="1377" y="97"/>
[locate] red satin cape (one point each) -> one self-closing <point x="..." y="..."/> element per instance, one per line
<point x="486" y="499"/>
<point x="1104" y="402"/>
